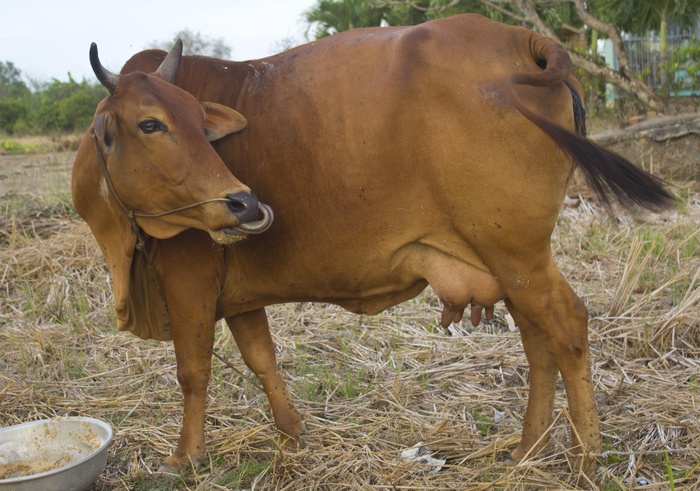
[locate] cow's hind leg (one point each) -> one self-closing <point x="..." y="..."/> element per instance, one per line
<point x="554" y="329"/>
<point x="543" y="378"/>
<point x="252" y="334"/>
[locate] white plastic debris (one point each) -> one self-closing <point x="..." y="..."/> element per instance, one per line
<point x="511" y="323"/>
<point x="453" y="331"/>
<point x="422" y="454"/>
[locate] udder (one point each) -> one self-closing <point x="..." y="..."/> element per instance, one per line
<point x="459" y="284"/>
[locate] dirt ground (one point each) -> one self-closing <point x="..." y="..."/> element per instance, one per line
<point x="368" y="387"/>
<point x="34" y="175"/>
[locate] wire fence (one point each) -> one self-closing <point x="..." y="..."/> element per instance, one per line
<point x="644" y="52"/>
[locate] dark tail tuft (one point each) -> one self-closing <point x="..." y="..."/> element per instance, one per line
<point x="579" y="112"/>
<point x="609" y="173"/>
<point x="605" y="171"/>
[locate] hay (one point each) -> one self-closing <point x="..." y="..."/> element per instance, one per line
<point x="370" y="387"/>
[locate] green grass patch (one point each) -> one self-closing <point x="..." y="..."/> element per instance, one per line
<point x="483" y="422"/>
<point x="242" y="475"/>
<point x="13" y="147"/>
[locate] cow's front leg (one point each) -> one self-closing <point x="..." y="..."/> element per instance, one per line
<point x="252" y="334"/>
<point x="191" y="289"/>
<point x="194" y="343"/>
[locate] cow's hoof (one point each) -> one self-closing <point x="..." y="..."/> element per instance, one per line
<point x="167" y="469"/>
<point x="585" y="464"/>
<point x="526" y="449"/>
<point x="519" y="453"/>
<point x="290" y="443"/>
<point x="173" y="464"/>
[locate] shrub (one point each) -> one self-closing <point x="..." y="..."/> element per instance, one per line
<point x="684" y="67"/>
<point x="11" y="112"/>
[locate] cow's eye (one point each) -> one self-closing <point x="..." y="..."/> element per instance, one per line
<point x="149" y="126"/>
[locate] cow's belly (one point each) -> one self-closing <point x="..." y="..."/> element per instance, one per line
<point x="369" y="281"/>
<point x="458" y="284"/>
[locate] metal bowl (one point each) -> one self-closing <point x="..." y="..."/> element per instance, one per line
<point x="54" y="454"/>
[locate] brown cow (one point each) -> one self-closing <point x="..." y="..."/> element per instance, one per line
<point x="394" y="158"/>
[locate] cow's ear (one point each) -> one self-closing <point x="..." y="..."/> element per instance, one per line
<point x="221" y="121"/>
<point x="103" y="126"/>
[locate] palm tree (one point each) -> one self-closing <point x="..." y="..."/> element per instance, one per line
<point x="333" y="16"/>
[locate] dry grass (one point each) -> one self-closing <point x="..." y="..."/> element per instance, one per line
<point x="369" y="387"/>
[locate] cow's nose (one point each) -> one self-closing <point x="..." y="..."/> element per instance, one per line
<point x="243" y="205"/>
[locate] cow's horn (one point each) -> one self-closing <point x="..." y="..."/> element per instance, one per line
<point x="168" y="68"/>
<point x="106" y="78"/>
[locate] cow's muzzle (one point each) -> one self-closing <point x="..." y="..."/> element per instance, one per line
<point x="253" y="217"/>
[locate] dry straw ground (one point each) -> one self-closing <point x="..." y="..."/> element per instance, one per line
<point x="369" y="387"/>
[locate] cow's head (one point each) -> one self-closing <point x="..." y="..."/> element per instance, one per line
<point x="154" y="140"/>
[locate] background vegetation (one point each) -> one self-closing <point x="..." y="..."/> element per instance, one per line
<point x="31" y="107"/>
<point x="51" y="107"/>
<point x="577" y="25"/>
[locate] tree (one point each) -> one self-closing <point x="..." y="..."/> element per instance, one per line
<point x="541" y="15"/>
<point x="14" y="98"/>
<point x="333" y="16"/>
<point x="12" y="111"/>
<point x="641" y="16"/>
<point x="194" y="43"/>
<point x="329" y="17"/>
<point x="623" y="77"/>
<point x="69" y="106"/>
<point x="54" y="106"/>
<point x="11" y="84"/>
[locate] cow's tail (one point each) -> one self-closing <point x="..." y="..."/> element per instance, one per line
<point x="605" y="171"/>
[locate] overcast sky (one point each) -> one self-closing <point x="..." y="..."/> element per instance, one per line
<point x="46" y="39"/>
